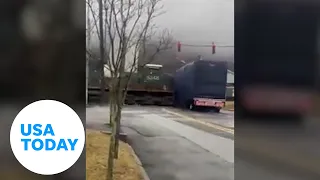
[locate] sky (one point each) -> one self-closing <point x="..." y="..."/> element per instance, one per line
<point x="200" y="22"/>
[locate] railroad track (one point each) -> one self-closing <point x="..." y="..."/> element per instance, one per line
<point x="94" y="96"/>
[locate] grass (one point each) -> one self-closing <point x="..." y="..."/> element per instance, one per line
<point x="229" y="106"/>
<point x="97" y="147"/>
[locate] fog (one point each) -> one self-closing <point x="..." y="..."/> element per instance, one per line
<point x="198" y="22"/>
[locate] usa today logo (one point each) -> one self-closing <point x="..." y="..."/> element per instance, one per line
<point x="47" y="137"/>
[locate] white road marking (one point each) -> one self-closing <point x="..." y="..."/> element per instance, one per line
<point x="215" y="126"/>
<point x="135" y="111"/>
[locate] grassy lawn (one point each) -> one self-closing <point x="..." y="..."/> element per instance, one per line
<point x="97" y="146"/>
<point x="229" y="106"/>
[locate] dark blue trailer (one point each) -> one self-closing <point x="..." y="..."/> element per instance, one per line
<point x="201" y="84"/>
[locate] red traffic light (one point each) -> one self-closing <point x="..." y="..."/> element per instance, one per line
<point x="213" y="48"/>
<point x="179" y="46"/>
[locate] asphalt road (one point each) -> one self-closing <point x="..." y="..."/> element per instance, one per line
<point x="174" y="144"/>
<point x="172" y="150"/>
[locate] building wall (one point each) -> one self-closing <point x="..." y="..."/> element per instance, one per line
<point x="230" y="77"/>
<point x="230" y="86"/>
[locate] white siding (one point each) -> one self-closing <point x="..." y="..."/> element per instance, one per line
<point x="230" y="77"/>
<point x="128" y="63"/>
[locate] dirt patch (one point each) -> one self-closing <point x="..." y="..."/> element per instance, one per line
<point x="229" y="106"/>
<point x="97" y="147"/>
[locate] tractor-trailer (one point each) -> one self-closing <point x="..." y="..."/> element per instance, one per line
<point x="201" y="84"/>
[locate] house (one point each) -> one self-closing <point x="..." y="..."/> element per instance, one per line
<point x="230" y="78"/>
<point x="230" y="85"/>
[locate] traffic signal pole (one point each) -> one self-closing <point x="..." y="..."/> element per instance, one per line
<point x="213" y="46"/>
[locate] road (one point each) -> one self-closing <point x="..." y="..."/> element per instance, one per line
<point x="183" y="145"/>
<point x="171" y="150"/>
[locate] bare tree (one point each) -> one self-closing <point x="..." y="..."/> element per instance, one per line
<point x="96" y="28"/>
<point x="129" y="29"/>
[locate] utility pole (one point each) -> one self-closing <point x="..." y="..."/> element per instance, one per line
<point x="88" y="46"/>
<point x="102" y="52"/>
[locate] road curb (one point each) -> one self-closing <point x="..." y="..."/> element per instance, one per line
<point x="122" y="135"/>
<point x="213" y="125"/>
<point x="136" y="158"/>
<point x="142" y="170"/>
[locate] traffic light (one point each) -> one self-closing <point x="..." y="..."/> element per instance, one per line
<point x="213" y="48"/>
<point x="179" y="46"/>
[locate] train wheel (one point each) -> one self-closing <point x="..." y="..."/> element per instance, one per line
<point x="130" y="100"/>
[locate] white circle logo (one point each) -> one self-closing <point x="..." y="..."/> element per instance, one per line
<point x="47" y="137"/>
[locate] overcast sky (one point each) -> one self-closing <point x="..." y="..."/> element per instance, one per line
<point x="200" y="21"/>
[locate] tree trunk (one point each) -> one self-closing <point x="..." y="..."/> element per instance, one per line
<point x="111" y="155"/>
<point x="120" y="102"/>
<point x="113" y="117"/>
<point x="112" y="107"/>
<point x="102" y="51"/>
<point x="117" y="127"/>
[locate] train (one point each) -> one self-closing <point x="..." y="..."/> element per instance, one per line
<point x="152" y="84"/>
<point x="149" y="86"/>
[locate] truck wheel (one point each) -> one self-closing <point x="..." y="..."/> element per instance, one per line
<point x="217" y="110"/>
<point x="191" y="105"/>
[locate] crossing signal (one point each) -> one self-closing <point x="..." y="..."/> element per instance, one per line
<point x="213" y="48"/>
<point x="179" y="46"/>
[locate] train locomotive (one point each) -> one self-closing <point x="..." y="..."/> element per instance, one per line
<point x="148" y="86"/>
